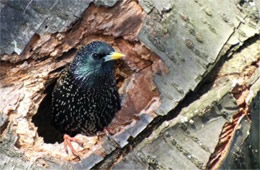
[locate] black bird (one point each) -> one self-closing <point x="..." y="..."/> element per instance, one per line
<point x="85" y="97"/>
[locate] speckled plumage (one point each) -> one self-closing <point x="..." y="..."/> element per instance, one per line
<point x="85" y="97"/>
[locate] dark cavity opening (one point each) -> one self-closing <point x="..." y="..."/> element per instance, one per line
<point x="42" y="119"/>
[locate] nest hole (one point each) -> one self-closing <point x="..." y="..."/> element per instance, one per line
<point x="42" y="119"/>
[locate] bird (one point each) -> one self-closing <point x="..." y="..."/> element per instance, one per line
<point x="85" y="97"/>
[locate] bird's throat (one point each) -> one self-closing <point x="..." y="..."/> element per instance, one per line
<point x="93" y="78"/>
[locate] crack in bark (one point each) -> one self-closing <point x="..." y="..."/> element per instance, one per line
<point x="190" y="98"/>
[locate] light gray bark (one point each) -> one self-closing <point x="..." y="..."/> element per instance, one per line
<point x="195" y="39"/>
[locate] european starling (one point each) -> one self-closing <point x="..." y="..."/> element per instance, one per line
<point x="85" y="97"/>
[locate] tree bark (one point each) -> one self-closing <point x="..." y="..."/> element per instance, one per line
<point x="189" y="83"/>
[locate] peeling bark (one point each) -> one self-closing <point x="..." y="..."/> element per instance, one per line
<point x="172" y="50"/>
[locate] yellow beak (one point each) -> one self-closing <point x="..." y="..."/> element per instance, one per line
<point x="114" y="56"/>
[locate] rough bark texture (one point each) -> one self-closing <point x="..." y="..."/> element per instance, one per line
<point x="189" y="84"/>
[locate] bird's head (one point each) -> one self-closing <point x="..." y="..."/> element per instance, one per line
<point x="95" y="59"/>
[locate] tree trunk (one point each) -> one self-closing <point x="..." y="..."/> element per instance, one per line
<point x="189" y="83"/>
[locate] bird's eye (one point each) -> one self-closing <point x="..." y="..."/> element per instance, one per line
<point x="96" y="56"/>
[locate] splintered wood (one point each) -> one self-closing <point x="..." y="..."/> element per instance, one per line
<point x="26" y="80"/>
